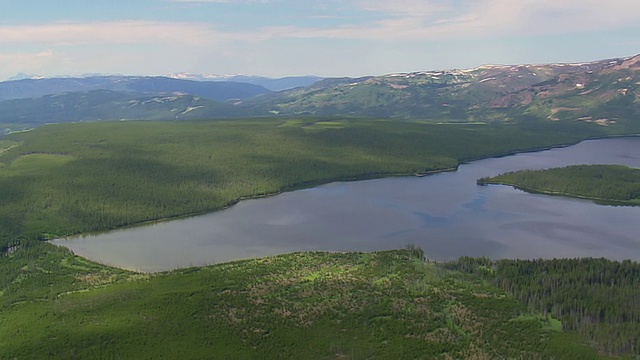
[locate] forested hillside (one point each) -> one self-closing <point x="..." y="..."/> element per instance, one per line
<point x="148" y="85"/>
<point x="107" y="105"/>
<point x="598" y="298"/>
<point x="304" y="306"/>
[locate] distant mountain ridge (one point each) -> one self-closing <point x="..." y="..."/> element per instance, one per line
<point x="605" y="92"/>
<point x="273" y="84"/>
<point x="221" y="91"/>
<point x="449" y="94"/>
<point x="108" y="105"/>
<point x="23" y="76"/>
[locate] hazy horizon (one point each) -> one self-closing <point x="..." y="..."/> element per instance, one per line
<point x="22" y="75"/>
<point x="326" y="38"/>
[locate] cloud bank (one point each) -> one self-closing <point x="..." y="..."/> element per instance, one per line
<point x="168" y="46"/>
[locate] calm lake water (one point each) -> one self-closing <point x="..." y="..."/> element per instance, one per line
<point x="446" y="214"/>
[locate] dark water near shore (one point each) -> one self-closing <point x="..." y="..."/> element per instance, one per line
<point x="446" y="214"/>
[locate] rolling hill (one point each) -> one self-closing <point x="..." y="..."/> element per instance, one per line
<point x="603" y="92"/>
<point x="567" y="91"/>
<point x="108" y="105"/>
<point x="219" y="90"/>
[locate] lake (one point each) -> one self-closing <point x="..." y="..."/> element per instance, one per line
<point x="446" y="214"/>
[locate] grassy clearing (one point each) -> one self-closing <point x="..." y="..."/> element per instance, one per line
<point x="547" y="322"/>
<point x="7" y="145"/>
<point x="34" y="164"/>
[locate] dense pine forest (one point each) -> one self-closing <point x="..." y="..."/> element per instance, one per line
<point x="598" y="298"/>
<point x="612" y="184"/>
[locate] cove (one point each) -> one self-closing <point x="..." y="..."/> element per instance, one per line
<point x="446" y="214"/>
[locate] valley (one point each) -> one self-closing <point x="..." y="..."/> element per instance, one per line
<point x="98" y="159"/>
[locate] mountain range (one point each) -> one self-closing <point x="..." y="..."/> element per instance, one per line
<point x="273" y="84"/>
<point x="604" y="92"/>
<point x="544" y="90"/>
<point x="221" y="90"/>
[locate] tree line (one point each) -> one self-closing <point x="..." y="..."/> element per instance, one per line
<point x="598" y="298"/>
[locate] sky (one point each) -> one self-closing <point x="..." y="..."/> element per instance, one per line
<point x="278" y="38"/>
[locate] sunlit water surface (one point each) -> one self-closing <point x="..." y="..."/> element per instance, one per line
<point x="446" y="214"/>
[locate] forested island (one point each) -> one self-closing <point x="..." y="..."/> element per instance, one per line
<point x="605" y="184"/>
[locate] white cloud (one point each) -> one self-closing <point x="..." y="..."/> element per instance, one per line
<point x="406" y="26"/>
<point x="119" y="32"/>
<point x="220" y="1"/>
<point x="475" y="18"/>
<point x="201" y="1"/>
<point x="118" y="47"/>
<point x="398" y="20"/>
<point x="47" y="54"/>
<point x="428" y="20"/>
<point x="469" y="19"/>
<point x="34" y="62"/>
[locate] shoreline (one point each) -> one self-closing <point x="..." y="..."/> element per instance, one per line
<point x="597" y="200"/>
<point x="312" y="184"/>
<point x="286" y="189"/>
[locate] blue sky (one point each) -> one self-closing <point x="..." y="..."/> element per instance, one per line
<point x="322" y="37"/>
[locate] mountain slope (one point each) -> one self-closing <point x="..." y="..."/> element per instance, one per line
<point x="466" y="94"/>
<point x="220" y="90"/>
<point x="316" y="305"/>
<point x="108" y="105"/>
<point x="608" y="96"/>
<point x="603" y="92"/>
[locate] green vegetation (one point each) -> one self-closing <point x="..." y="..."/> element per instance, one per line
<point x="303" y="305"/>
<point x="106" y="105"/>
<point x="67" y="179"/>
<point x="603" y="92"/>
<point x="73" y="178"/>
<point x="597" y="298"/>
<point x="608" y="184"/>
